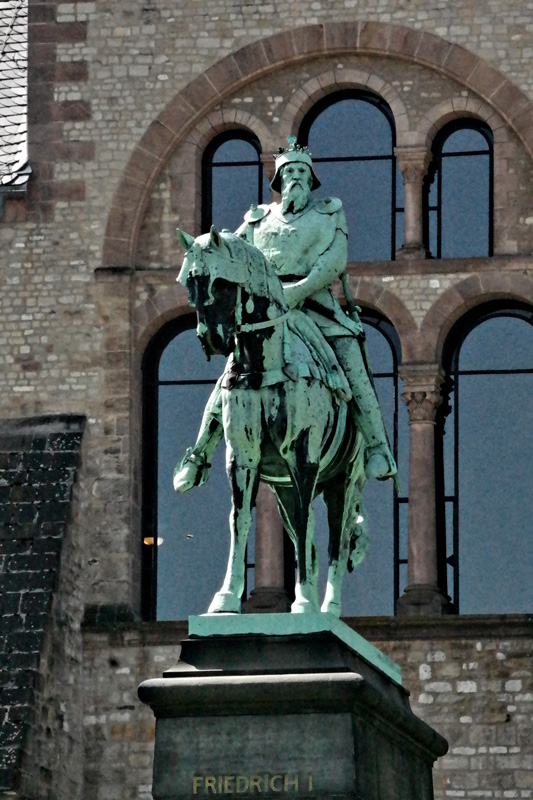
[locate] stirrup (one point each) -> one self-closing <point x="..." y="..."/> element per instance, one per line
<point x="199" y="461"/>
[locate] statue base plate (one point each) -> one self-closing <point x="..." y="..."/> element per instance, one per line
<point x="305" y="713"/>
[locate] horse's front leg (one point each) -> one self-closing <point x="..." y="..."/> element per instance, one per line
<point x="241" y="412"/>
<point x="244" y="483"/>
<point x="304" y="476"/>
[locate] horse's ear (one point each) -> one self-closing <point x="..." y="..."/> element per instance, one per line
<point x="185" y="239"/>
<point x="215" y="236"/>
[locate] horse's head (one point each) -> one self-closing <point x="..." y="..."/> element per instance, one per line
<point x="227" y="281"/>
<point x="209" y="275"/>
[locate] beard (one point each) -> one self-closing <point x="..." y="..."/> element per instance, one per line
<point x="294" y="197"/>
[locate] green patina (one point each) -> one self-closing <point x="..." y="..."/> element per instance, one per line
<point x="296" y="403"/>
<point x="293" y="625"/>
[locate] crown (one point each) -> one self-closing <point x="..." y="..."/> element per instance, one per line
<point x="294" y="152"/>
<point x="292" y="148"/>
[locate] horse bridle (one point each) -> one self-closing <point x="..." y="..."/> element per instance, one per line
<point x="250" y="327"/>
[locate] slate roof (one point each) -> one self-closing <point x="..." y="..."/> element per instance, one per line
<point x="38" y="459"/>
<point x="13" y="92"/>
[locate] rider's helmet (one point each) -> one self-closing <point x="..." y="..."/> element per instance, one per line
<point x="294" y="152"/>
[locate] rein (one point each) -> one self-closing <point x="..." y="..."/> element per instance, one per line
<point x="250" y="327"/>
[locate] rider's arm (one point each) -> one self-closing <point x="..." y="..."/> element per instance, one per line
<point x="326" y="268"/>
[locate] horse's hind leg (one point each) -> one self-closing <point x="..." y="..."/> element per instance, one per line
<point x="338" y="547"/>
<point x="306" y="594"/>
<point x="244" y="484"/>
<point x="304" y="476"/>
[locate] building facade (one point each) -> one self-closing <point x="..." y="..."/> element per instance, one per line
<point x="127" y="105"/>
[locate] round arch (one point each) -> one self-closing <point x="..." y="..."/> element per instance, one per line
<point x="452" y="304"/>
<point x="378" y="298"/>
<point x="460" y="108"/>
<point x="155" y="312"/>
<point x="207" y="90"/>
<point x="335" y="80"/>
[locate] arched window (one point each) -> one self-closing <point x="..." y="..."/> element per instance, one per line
<point x="232" y="179"/>
<point x="351" y="137"/>
<point x="375" y="585"/>
<point x="487" y="473"/>
<point x="186" y="537"/>
<point x="459" y="191"/>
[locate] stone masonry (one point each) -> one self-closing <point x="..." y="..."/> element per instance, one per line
<point x="123" y="98"/>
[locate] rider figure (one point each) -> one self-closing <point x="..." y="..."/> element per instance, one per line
<point x="306" y="241"/>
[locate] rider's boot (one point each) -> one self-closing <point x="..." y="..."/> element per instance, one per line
<point x="193" y="469"/>
<point x="379" y="461"/>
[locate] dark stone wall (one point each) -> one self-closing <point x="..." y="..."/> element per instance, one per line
<point x="38" y="460"/>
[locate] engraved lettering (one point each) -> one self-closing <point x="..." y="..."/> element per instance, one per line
<point x="276" y="783"/>
<point x="288" y="781"/>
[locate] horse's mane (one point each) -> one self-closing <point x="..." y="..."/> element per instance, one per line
<point x="263" y="281"/>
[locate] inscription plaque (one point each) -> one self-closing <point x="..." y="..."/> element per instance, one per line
<point x="296" y="755"/>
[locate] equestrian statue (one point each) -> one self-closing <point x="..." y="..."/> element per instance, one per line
<point x="296" y="402"/>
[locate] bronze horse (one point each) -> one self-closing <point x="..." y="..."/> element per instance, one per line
<point x="285" y="414"/>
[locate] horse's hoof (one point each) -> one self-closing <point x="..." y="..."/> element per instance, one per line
<point x="303" y="607"/>
<point x="185" y="478"/>
<point x="331" y="607"/>
<point x="225" y="603"/>
<point x="192" y="470"/>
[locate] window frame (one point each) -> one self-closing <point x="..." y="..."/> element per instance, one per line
<point x="378" y="102"/>
<point x="386" y="328"/>
<point x="208" y="166"/>
<point x="435" y="174"/>
<point x="451" y="400"/>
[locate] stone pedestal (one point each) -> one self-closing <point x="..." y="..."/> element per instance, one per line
<point x="284" y="705"/>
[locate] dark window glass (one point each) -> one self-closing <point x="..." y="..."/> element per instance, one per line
<point x="374" y="586"/>
<point x="183" y="572"/>
<point x="233" y="179"/>
<point x="459" y="192"/>
<point x="351" y="138"/>
<point x="487" y="467"/>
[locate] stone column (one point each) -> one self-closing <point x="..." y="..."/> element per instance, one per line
<point x="269" y="593"/>
<point x="422" y="596"/>
<point x="413" y="163"/>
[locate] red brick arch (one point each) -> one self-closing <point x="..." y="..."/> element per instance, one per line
<point x="275" y="52"/>
<point x="456" y="301"/>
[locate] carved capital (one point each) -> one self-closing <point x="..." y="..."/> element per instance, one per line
<point x="413" y="163"/>
<point x="422" y="405"/>
<point x="422" y="391"/>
